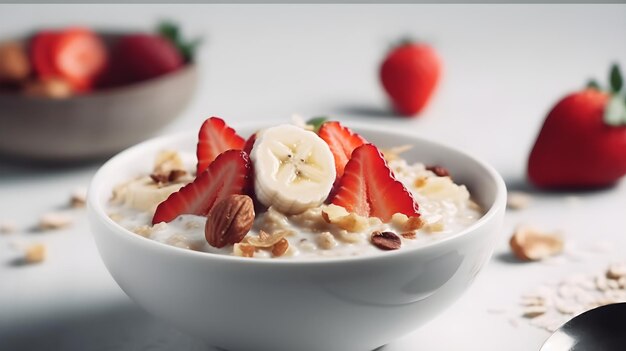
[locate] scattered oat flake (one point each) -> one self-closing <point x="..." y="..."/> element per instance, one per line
<point x="54" y="220"/>
<point x="534" y="311"/>
<point x="529" y="244"/>
<point x="7" y="227"/>
<point x="518" y="200"/>
<point x="78" y="197"/>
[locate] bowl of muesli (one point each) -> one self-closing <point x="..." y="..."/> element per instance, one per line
<point x="295" y="236"/>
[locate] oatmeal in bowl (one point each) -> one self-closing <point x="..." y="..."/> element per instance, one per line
<point x="283" y="237"/>
<point x="290" y="192"/>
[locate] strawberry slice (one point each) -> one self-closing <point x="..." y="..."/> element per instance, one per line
<point x="249" y="144"/>
<point x="214" y="138"/>
<point x="227" y="175"/>
<point x="79" y="56"/>
<point x="342" y="141"/>
<point x="369" y="188"/>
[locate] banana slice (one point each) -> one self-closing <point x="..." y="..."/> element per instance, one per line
<point x="293" y="168"/>
<point x="144" y="195"/>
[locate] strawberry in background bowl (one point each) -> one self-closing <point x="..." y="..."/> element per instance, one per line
<point x="84" y="94"/>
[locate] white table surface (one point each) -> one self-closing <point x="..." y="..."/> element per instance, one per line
<point x="504" y="67"/>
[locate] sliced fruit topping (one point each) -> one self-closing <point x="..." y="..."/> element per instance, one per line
<point x="293" y="168"/>
<point x="227" y="175"/>
<point x="80" y="56"/>
<point x="247" y="147"/>
<point x="214" y="138"/>
<point x="342" y="141"/>
<point x="369" y="188"/>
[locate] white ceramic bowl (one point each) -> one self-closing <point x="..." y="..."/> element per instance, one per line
<point x="355" y="303"/>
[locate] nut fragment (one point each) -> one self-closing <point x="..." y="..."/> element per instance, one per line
<point x="78" y="198"/>
<point x="14" y="62"/>
<point x="393" y="153"/>
<point x="405" y="223"/>
<point x="528" y="244"/>
<point x="54" y="220"/>
<point x="35" y="253"/>
<point x="243" y="250"/>
<point x="338" y="216"/>
<point x="143" y="230"/>
<point x="54" y="88"/>
<point x="439" y="171"/>
<point x="170" y="177"/>
<point x="167" y="161"/>
<point x="386" y="240"/>
<point x="280" y="248"/>
<point x="517" y="200"/>
<point x="267" y="240"/>
<point x="616" y="271"/>
<point x="409" y="235"/>
<point x="229" y="221"/>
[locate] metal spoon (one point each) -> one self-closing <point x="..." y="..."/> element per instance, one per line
<point x="600" y="329"/>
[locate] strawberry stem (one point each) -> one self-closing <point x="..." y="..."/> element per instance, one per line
<point x="171" y="31"/>
<point x="615" y="79"/>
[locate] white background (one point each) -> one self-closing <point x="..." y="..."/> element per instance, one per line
<point x="505" y="66"/>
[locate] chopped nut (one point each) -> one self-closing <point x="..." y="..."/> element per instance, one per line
<point x="167" y="178"/>
<point x="338" y="216"/>
<point x="54" y="220"/>
<point x="531" y="245"/>
<point x="280" y="248"/>
<point x="616" y="271"/>
<point x="386" y="240"/>
<point x="35" y="253"/>
<point x="326" y="241"/>
<point x="54" y="88"/>
<point x="160" y="178"/>
<point x="144" y="230"/>
<point x="393" y="153"/>
<point x="78" y="198"/>
<point x="243" y="250"/>
<point x="7" y="227"/>
<point x="267" y="240"/>
<point x="405" y="223"/>
<point x="14" y="63"/>
<point x="517" y="200"/>
<point x="534" y="311"/>
<point x="167" y="161"/>
<point x="409" y="235"/>
<point x="439" y="171"/>
<point x="229" y="221"/>
<point x="435" y="226"/>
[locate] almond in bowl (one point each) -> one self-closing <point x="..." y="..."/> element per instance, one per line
<point x="340" y="235"/>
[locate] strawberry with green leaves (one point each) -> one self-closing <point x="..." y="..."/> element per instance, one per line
<point x="582" y="143"/>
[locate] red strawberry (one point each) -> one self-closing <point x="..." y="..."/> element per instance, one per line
<point x="249" y="144"/>
<point x="410" y="74"/>
<point x="342" y="141"/>
<point x="577" y="147"/>
<point x="214" y="138"/>
<point x="227" y="175"/>
<point x="145" y="56"/>
<point x="369" y="188"/>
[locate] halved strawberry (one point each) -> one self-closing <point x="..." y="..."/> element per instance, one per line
<point x="369" y="188"/>
<point x="214" y="138"/>
<point x="342" y="141"/>
<point x="227" y="175"/>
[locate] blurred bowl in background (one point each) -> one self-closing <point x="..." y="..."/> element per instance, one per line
<point x="93" y="125"/>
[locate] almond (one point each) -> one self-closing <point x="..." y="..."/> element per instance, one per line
<point x="229" y="221"/>
<point x="280" y="248"/>
<point x="529" y="244"/>
<point x="439" y="171"/>
<point x="386" y="240"/>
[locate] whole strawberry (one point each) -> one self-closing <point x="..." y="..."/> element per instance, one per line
<point x="410" y="74"/>
<point x="582" y="143"/>
<point x="145" y="56"/>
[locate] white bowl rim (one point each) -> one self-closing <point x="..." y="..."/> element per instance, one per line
<point x="96" y="207"/>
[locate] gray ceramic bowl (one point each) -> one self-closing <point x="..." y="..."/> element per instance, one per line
<point x="94" y="125"/>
